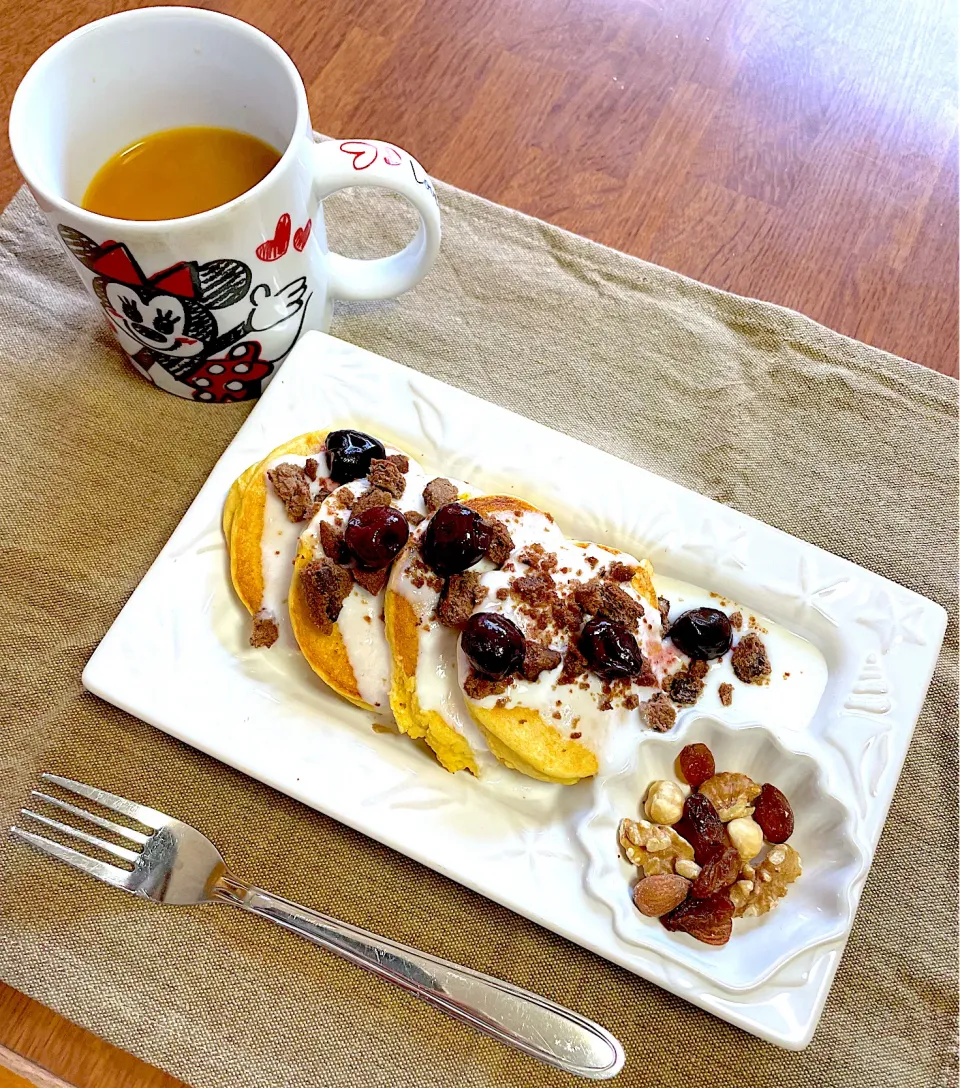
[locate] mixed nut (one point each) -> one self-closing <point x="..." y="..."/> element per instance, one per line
<point x="711" y="848"/>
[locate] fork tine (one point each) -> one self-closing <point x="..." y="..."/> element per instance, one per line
<point x="148" y="816"/>
<point x="110" y="874"/>
<point x="91" y="840"/>
<point x="108" y="825"/>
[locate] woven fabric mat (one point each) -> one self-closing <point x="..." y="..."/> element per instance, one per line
<point x="838" y="443"/>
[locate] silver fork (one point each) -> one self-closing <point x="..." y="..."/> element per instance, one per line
<point x="176" y="864"/>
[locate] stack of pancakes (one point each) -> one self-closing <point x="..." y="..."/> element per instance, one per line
<point x="392" y="639"/>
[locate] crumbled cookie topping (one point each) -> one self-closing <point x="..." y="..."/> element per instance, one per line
<point x="372" y="581"/>
<point x="326" y="585"/>
<point x="659" y="713"/>
<point x="460" y="596"/>
<point x="385" y="475"/>
<point x="374" y="496"/>
<point x="331" y="541"/>
<point x="479" y="687"/>
<point x="621" y="572"/>
<point x="265" y="631"/>
<point x="291" y="485"/>
<point x="538" y="658"/>
<point x="664" y="606"/>
<point x="501" y="543"/>
<point x="686" y="686"/>
<point x="750" y="662"/>
<point x="438" y="493"/>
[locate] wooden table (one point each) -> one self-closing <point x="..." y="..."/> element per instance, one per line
<point x="801" y="151"/>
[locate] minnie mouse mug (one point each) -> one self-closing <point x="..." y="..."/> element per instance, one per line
<point x="208" y="306"/>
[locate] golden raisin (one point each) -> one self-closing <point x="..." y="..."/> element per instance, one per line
<point x="695" y="764"/>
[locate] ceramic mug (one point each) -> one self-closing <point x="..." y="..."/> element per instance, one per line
<point x="206" y="306"/>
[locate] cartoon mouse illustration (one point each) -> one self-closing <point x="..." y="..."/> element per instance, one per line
<point x="189" y="327"/>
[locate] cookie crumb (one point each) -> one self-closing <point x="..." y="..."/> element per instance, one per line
<point x="460" y="596"/>
<point x="574" y="665"/>
<point x="538" y="658"/>
<point x="373" y="496"/>
<point x="501" y="543"/>
<point x="438" y="493"/>
<point x="331" y="541"/>
<point x="479" y="687"/>
<point x="292" y="487"/>
<point x="725" y="691"/>
<point x="664" y="605"/>
<point x="750" y="662"/>
<point x="325" y="585"/>
<point x="265" y="630"/>
<point x="372" y="581"/>
<point x="686" y="686"/>
<point x="387" y="476"/>
<point x="659" y="713"/>
<point x="621" y="572"/>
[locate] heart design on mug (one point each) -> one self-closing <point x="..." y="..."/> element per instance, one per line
<point x="364" y="154"/>
<point x="301" y="235"/>
<point x="274" y="248"/>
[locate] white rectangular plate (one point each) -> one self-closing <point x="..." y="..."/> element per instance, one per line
<point x="177" y="657"/>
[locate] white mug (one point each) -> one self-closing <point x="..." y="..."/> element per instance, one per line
<point x="206" y="306"/>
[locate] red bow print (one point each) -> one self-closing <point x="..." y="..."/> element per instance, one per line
<point x="115" y="262"/>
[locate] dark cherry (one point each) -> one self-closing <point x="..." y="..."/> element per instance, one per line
<point x="610" y="649"/>
<point x="349" y="454"/>
<point x="375" y="536"/>
<point x="702" y="633"/>
<point x="494" y="645"/>
<point x="455" y="539"/>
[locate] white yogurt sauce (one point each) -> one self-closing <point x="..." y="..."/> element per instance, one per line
<point x="438" y="686"/>
<point x="569" y="708"/>
<point x="361" y="617"/>
<point x="278" y="545"/>
<point x="798" y="670"/>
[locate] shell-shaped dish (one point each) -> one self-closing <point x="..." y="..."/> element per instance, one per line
<point x="818" y="907"/>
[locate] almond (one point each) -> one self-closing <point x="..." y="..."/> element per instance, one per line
<point x="656" y="895"/>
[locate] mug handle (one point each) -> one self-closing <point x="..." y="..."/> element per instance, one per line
<point x="340" y="164"/>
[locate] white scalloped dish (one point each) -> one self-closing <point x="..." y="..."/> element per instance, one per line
<point x="833" y="734"/>
<point x="818" y="908"/>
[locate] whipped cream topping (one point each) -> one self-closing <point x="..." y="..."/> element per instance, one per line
<point x="361" y="617"/>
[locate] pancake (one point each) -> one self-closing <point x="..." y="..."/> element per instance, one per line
<point x="262" y="538"/>
<point x="545" y="728"/>
<point x="425" y="695"/>
<point x="234" y="496"/>
<point x="349" y="652"/>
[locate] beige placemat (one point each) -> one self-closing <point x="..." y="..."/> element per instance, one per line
<point x="758" y="407"/>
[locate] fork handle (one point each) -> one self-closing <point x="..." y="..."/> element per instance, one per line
<point x="525" y="1021"/>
